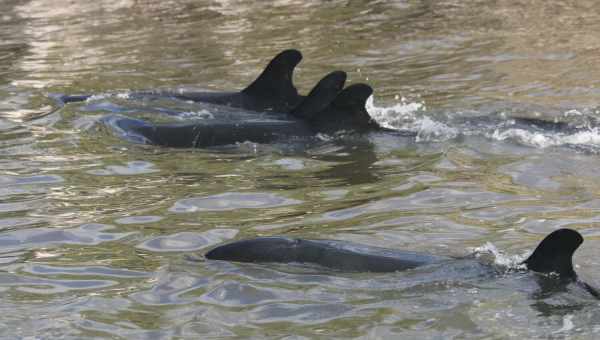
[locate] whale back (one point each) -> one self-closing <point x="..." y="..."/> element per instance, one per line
<point x="338" y="255"/>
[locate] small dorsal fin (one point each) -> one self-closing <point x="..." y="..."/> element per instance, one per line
<point x="276" y="79"/>
<point x="554" y="254"/>
<point x="354" y="97"/>
<point x="321" y="95"/>
<point x="348" y="110"/>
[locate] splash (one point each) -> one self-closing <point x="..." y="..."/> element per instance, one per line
<point x="395" y="116"/>
<point x="514" y="262"/>
<point x="572" y="128"/>
<point x="585" y="137"/>
<point x="410" y="117"/>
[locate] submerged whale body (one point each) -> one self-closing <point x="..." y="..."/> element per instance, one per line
<point x="552" y="255"/>
<point x="327" y="108"/>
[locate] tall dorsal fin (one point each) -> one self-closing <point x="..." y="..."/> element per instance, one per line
<point x="348" y="110"/>
<point x="276" y="79"/>
<point x="554" y="254"/>
<point x="321" y="95"/>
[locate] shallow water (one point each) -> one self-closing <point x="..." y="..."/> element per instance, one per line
<point x="103" y="238"/>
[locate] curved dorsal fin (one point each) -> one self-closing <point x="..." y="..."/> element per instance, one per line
<point x="321" y="95"/>
<point x="554" y="254"/>
<point x="354" y="97"/>
<point x="276" y="79"/>
<point x="348" y="110"/>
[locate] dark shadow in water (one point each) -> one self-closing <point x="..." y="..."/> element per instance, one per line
<point x="550" y="287"/>
<point x="354" y="160"/>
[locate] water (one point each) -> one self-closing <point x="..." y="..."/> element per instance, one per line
<point x="496" y="104"/>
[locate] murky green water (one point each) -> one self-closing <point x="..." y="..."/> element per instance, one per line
<point x="103" y="238"/>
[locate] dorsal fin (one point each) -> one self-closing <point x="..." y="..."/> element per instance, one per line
<point x="554" y="254"/>
<point x="321" y="95"/>
<point x="276" y="79"/>
<point x="348" y="110"/>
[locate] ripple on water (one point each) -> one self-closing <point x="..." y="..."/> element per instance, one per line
<point x="25" y="180"/>
<point x="300" y="313"/>
<point x="85" y="270"/>
<point x="233" y="293"/>
<point x="48" y="286"/>
<point x="188" y="241"/>
<point x="131" y="168"/>
<point x="444" y="199"/>
<point x="20" y="185"/>
<point x="6" y="223"/>
<point x="21" y="206"/>
<point x="88" y="234"/>
<point x="550" y="171"/>
<point x="232" y="201"/>
<point x="498" y="213"/>
<point x="170" y="289"/>
<point x="138" y="219"/>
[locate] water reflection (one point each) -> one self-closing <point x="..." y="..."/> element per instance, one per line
<point x="138" y="219"/>
<point x="232" y="201"/>
<point x="87" y="234"/>
<point x="132" y="168"/>
<point x="84" y="271"/>
<point x="188" y="241"/>
<point x="353" y="164"/>
<point x="465" y="169"/>
<point x="47" y="286"/>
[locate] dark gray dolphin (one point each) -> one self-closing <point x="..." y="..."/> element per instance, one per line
<point x="553" y="255"/>
<point x="273" y="90"/>
<point x="327" y="108"/>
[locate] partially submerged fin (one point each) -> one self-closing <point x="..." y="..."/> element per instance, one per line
<point x="276" y="79"/>
<point x="554" y="254"/>
<point x="321" y="95"/>
<point x="348" y="110"/>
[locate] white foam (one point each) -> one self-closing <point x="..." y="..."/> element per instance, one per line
<point x="590" y="137"/>
<point x="409" y="116"/>
<point x="395" y="116"/>
<point x="102" y="96"/>
<point x="202" y="114"/>
<point x="429" y="130"/>
<point x="500" y="259"/>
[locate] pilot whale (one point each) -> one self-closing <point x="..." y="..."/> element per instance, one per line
<point x="553" y="255"/>
<point x="326" y="109"/>
<point x="273" y="90"/>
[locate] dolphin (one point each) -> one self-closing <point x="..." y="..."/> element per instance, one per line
<point x="273" y="90"/>
<point x="327" y="108"/>
<point x="552" y="256"/>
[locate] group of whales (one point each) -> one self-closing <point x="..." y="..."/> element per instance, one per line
<point x="327" y="108"/>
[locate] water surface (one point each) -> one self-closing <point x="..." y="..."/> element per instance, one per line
<point x="496" y="107"/>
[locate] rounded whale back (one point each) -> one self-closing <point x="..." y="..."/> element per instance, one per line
<point x="327" y="253"/>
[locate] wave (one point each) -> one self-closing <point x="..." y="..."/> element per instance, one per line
<point x="571" y="128"/>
